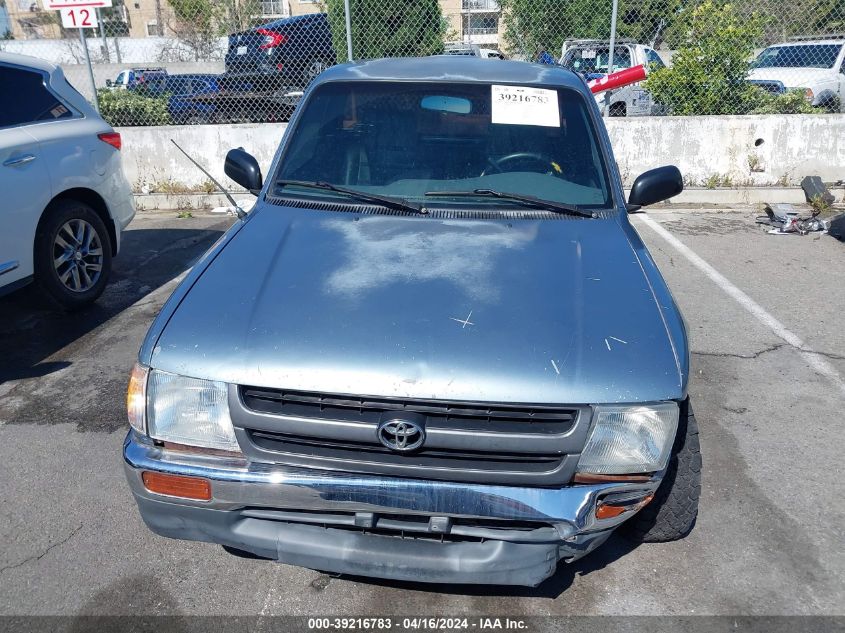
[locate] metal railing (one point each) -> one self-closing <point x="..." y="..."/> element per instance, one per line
<point x="480" y="5"/>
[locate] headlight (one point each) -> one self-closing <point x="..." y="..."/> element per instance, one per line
<point x="627" y="440"/>
<point x="181" y="410"/>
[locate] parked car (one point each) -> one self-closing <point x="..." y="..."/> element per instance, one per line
<point x="472" y="50"/>
<point x="286" y="53"/>
<point x="65" y="199"/>
<point x="444" y="353"/>
<point x="133" y="78"/>
<point x="185" y="101"/>
<point x="815" y="66"/>
<point x="591" y="58"/>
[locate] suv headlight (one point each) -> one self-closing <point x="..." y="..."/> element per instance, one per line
<point x="627" y="440"/>
<point x="182" y="410"/>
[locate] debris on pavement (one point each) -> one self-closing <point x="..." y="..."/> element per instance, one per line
<point x="837" y="227"/>
<point x="815" y="190"/>
<point x="784" y="218"/>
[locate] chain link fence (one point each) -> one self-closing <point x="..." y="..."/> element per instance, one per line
<point x="159" y="62"/>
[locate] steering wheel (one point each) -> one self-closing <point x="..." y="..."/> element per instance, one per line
<point x="499" y="163"/>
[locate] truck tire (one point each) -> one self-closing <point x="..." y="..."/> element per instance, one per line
<point x="72" y="254"/>
<point x="671" y="514"/>
<point x="618" y="109"/>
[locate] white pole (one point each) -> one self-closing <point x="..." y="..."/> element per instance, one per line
<point x="348" y="30"/>
<point x="90" y="70"/>
<point x="610" y="53"/>
<point x="103" y="36"/>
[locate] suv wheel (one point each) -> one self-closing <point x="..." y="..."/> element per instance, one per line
<point x="671" y="514"/>
<point x="72" y="254"/>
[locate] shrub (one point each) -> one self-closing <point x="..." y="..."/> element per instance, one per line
<point x="790" y="102"/>
<point x="127" y="107"/>
<point x="709" y="69"/>
<point x="387" y="29"/>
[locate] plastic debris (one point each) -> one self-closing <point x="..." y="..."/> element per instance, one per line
<point x="837" y="227"/>
<point x="784" y="218"/>
<point x="814" y="189"/>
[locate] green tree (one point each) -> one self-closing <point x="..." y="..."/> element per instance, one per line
<point x="532" y="25"/>
<point x="381" y="28"/>
<point x="647" y="21"/>
<point x="710" y="67"/>
<point x="197" y="25"/>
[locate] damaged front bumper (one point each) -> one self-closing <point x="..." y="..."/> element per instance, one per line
<point x="404" y="529"/>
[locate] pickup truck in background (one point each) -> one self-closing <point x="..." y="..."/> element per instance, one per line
<point x="591" y="58"/>
<point x="815" y="66"/>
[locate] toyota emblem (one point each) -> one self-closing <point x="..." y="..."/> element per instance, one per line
<point x="401" y="436"/>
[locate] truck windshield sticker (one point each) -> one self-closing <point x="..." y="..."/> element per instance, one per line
<point x="519" y="105"/>
<point x="588" y="54"/>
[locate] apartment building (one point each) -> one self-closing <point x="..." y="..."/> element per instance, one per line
<point x="473" y="21"/>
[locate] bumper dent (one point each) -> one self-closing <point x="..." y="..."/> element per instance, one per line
<point x="240" y="487"/>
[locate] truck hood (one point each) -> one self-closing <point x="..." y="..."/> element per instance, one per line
<point x="793" y="77"/>
<point x="523" y="310"/>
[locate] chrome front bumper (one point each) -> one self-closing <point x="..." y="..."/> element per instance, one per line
<point x="241" y="490"/>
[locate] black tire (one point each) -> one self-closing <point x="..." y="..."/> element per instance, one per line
<point x="618" y="109"/>
<point x="56" y="217"/>
<point x="672" y="513"/>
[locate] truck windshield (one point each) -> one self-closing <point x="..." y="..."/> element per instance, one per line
<point x="799" y="56"/>
<point x="595" y="60"/>
<point x="406" y="139"/>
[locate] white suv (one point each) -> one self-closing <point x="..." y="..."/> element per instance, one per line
<point x="65" y="199"/>
<point x="591" y="57"/>
<point x="814" y="66"/>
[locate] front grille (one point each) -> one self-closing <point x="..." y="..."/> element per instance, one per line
<point x="465" y="441"/>
<point x="461" y="415"/>
<point x="425" y="458"/>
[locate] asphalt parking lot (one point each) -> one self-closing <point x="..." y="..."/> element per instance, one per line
<point x="769" y="539"/>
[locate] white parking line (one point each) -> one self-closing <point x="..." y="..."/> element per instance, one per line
<point x="813" y="359"/>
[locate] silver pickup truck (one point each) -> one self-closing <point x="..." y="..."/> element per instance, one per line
<point x="591" y="58"/>
<point x="435" y="350"/>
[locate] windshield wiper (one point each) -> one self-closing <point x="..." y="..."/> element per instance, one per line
<point x="385" y="201"/>
<point x="550" y="205"/>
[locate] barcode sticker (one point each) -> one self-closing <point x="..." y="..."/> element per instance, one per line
<point x="519" y="105"/>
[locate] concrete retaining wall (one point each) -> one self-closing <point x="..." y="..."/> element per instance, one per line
<point x="722" y="152"/>
<point x="737" y="151"/>
<point x="153" y="164"/>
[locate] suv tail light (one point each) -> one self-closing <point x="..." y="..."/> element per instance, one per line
<point x="112" y="138"/>
<point x="271" y="38"/>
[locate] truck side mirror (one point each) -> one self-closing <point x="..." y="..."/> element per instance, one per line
<point x="242" y="167"/>
<point x="655" y="185"/>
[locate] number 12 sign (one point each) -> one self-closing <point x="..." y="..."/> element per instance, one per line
<point x="79" y="18"/>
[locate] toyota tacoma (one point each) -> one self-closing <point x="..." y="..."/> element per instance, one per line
<point x="434" y="350"/>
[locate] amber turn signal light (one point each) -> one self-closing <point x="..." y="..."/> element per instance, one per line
<point x="136" y="397"/>
<point x="608" y="511"/>
<point x="177" y="485"/>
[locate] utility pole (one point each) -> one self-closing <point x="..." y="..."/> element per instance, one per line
<point x="105" y="46"/>
<point x="610" y="53"/>
<point x="159" y="19"/>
